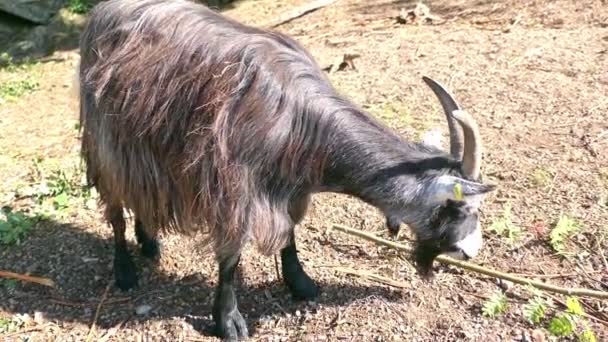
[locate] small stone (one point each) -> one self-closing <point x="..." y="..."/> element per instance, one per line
<point x="538" y="335"/>
<point x="505" y="285"/>
<point x="143" y="309"/>
<point x="39" y="317"/>
<point x="298" y="313"/>
<point x="25" y="318"/>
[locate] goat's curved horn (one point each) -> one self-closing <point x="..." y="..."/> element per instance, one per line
<point x="471" y="159"/>
<point x="449" y="105"/>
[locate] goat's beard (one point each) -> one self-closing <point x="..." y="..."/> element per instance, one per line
<point x="425" y="254"/>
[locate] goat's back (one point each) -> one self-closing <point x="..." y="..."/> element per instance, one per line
<point x="189" y="117"/>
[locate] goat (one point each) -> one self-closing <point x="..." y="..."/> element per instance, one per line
<point x="197" y="123"/>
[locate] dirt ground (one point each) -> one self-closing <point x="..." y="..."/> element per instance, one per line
<point x="533" y="73"/>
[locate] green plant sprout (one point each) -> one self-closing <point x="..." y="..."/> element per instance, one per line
<point x="495" y="305"/>
<point x="565" y="227"/>
<point x="505" y="225"/>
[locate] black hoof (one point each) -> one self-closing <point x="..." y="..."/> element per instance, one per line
<point x="232" y="326"/>
<point x="150" y="249"/>
<point x="125" y="272"/>
<point x="302" y="287"/>
<point x="393" y="225"/>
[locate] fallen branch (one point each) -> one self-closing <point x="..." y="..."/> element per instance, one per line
<point x="300" y="12"/>
<point x="478" y="269"/>
<point x="26" y="278"/>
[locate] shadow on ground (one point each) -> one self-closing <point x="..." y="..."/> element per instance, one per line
<point x="80" y="263"/>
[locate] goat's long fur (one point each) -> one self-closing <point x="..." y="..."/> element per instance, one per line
<point x="198" y="123"/>
<point x="194" y="121"/>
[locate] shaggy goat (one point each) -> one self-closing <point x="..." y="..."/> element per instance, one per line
<point x="195" y="122"/>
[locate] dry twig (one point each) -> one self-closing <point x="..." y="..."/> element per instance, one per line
<point x="103" y="298"/>
<point x="27" y="278"/>
<point x="479" y="269"/>
<point x="300" y="12"/>
<point x="25" y="331"/>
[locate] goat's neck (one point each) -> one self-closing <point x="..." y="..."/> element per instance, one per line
<point x="372" y="163"/>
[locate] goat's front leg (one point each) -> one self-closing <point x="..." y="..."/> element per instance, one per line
<point x="393" y="224"/>
<point x="125" y="272"/>
<point x="229" y="322"/>
<point x="300" y="285"/>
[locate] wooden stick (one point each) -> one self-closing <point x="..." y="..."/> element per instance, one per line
<point x="300" y="12"/>
<point x="103" y="298"/>
<point x="29" y="279"/>
<point x="478" y="269"/>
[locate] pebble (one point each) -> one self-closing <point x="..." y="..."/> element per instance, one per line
<point x="143" y="309"/>
<point x="38" y="317"/>
<point x="538" y="335"/>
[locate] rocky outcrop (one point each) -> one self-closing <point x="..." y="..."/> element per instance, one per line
<point x="38" y="11"/>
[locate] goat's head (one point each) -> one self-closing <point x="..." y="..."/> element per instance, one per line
<point x="449" y="222"/>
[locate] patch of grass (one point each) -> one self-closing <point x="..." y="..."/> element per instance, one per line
<point x="57" y="189"/>
<point x="564" y="228"/>
<point x="10" y="284"/>
<point x="495" y="305"/>
<point x="15" y="226"/>
<point x="392" y="111"/>
<point x="8" y="64"/>
<point x="4" y="324"/>
<point x="14" y="89"/>
<point x="535" y="309"/>
<point x="567" y="323"/>
<point x="572" y="322"/>
<point x="504" y="225"/>
<point x="8" y="325"/>
<point x="79" y="6"/>
<point x="541" y="178"/>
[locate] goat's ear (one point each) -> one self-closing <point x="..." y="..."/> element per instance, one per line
<point x="442" y="189"/>
<point x="474" y="188"/>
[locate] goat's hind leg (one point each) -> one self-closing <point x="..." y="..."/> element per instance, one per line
<point x="125" y="272"/>
<point x="229" y="323"/>
<point x="300" y="285"/>
<point x="147" y="240"/>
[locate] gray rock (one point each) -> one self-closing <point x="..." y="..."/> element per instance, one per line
<point x="143" y="309"/>
<point x="40" y="11"/>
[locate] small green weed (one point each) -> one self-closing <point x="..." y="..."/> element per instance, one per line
<point x="392" y="111"/>
<point x="505" y="225"/>
<point x="535" y="309"/>
<point x="565" y="323"/>
<point x="10" y="284"/>
<point x="79" y="6"/>
<point x="5" y="324"/>
<point x="495" y="305"/>
<point x="56" y="189"/>
<point x="541" y="178"/>
<point x="11" y="324"/>
<point x="14" y="226"/>
<point x="7" y="63"/>
<point x="12" y="90"/>
<point x="565" y="227"/>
